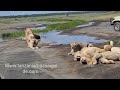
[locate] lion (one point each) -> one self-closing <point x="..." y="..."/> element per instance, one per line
<point x="115" y="49"/>
<point x="32" y="39"/>
<point x="111" y="55"/>
<point x="112" y="48"/>
<point x="94" y="55"/>
<point x="90" y="59"/>
<point x="107" y="57"/>
<point x="108" y="46"/>
<point x="89" y="55"/>
<point x="91" y="51"/>
<point x="86" y="50"/>
<point x="77" y="47"/>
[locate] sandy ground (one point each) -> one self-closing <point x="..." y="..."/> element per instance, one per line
<point x="15" y="52"/>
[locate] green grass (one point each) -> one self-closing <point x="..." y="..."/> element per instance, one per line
<point x="12" y="35"/>
<point x="64" y="26"/>
<point x="58" y="26"/>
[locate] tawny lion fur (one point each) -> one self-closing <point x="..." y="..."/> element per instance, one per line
<point x="32" y="42"/>
<point x="94" y="55"/>
<point x="111" y="48"/>
<point x="107" y="57"/>
<point x="108" y="46"/>
<point x="115" y="49"/>
<point x="91" y="55"/>
<point x="77" y="47"/>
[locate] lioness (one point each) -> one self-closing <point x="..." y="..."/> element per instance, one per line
<point x="77" y="47"/>
<point x="104" y="58"/>
<point x="90" y="55"/>
<point x="112" y="48"/>
<point x="93" y="55"/>
<point x="32" y="39"/>
<point x="108" y="46"/>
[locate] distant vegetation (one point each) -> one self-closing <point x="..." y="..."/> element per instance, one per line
<point x="58" y="26"/>
<point x="51" y="14"/>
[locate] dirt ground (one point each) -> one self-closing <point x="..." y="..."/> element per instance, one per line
<point x="16" y="52"/>
<point x="102" y="29"/>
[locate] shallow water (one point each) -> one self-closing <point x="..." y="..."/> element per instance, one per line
<point x="39" y="28"/>
<point x="85" y="25"/>
<point x="1" y="40"/>
<point x="55" y="38"/>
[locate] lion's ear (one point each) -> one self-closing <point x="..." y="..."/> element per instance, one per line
<point x="74" y="43"/>
<point x="71" y="44"/>
<point x="90" y="45"/>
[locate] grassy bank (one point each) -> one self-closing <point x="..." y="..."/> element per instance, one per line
<point x="64" y="26"/>
<point x="59" y="26"/>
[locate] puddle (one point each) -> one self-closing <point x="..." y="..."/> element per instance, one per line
<point x="2" y="40"/>
<point x="85" y="25"/>
<point x="55" y="38"/>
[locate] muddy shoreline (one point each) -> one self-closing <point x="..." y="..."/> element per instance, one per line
<point x="101" y="32"/>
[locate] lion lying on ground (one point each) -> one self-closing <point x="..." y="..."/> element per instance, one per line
<point x="112" y="48"/>
<point x="32" y="39"/>
<point x="108" y="46"/>
<point x="115" y="49"/>
<point x="77" y="47"/>
<point x="107" y="57"/>
<point x="86" y="49"/>
<point x="90" y="55"/>
<point x="93" y="55"/>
